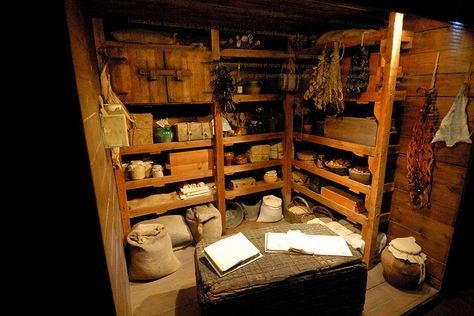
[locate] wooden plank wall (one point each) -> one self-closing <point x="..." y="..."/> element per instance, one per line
<point x="87" y="81"/>
<point x="433" y="227"/>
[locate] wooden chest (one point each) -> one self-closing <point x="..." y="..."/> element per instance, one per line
<point x="351" y="129"/>
<point x="283" y="283"/>
<point x="343" y="198"/>
<point x="190" y="161"/>
<point x="192" y="131"/>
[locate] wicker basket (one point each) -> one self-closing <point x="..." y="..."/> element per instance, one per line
<point x="299" y="210"/>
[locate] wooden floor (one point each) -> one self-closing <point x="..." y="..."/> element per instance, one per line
<point x="176" y="294"/>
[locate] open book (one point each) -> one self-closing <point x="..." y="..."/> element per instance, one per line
<point x="231" y="253"/>
<point x="295" y="240"/>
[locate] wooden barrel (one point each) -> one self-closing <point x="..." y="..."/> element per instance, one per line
<point x="400" y="273"/>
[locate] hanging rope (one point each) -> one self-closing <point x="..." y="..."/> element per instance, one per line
<point x="420" y="156"/>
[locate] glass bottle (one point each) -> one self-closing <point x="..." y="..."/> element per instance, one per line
<point x="239" y="84"/>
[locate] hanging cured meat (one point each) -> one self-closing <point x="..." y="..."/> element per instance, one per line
<point x="420" y="158"/>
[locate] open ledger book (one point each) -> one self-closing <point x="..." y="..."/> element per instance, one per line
<point x="295" y="240"/>
<point x="231" y="253"/>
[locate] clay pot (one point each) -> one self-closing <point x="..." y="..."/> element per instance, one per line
<point x="228" y="158"/>
<point x="400" y="273"/>
<point x="270" y="176"/>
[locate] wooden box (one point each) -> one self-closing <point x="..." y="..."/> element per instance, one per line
<point x="343" y="198"/>
<point x="351" y="129"/>
<point x="238" y="184"/>
<point x="192" y="131"/>
<point x="259" y="153"/>
<point x="190" y="161"/>
<point x="141" y="132"/>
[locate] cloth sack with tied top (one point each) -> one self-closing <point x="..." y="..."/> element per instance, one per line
<point x="407" y="249"/>
<point x="204" y="221"/>
<point x="151" y="252"/>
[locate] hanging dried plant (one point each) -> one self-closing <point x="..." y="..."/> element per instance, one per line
<point x="223" y="88"/>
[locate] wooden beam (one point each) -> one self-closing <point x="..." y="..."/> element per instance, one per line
<point x="122" y="199"/>
<point x="215" y="48"/>
<point x="219" y="162"/>
<point x="288" y="143"/>
<point x="383" y="133"/>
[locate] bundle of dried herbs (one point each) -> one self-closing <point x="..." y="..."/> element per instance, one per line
<point x="358" y="77"/>
<point x="223" y="88"/>
<point x="325" y="87"/>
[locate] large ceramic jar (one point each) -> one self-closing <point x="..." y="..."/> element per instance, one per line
<point x="163" y="134"/>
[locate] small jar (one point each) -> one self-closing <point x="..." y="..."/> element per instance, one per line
<point x="270" y="176"/>
<point x="157" y="171"/>
<point x="137" y="171"/>
<point x="228" y="158"/>
<point x="148" y="166"/>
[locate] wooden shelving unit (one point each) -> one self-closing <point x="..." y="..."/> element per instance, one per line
<point x="229" y="170"/>
<point x="164" y="207"/>
<point x="228" y="141"/>
<point x="351" y="215"/>
<point x="344" y="180"/>
<point x="240" y="98"/>
<point x="260" y="186"/>
<point x="160" y="147"/>
<point x="162" y="181"/>
<point x="334" y="143"/>
<point x="382" y="95"/>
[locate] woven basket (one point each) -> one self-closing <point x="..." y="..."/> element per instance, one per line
<point x="322" y="210"/>
<point x="299" y="210"/>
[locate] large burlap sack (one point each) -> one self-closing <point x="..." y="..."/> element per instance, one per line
<point x="177" y="228"/>
<point x="204" y="221"/>
<point x="151" y="252"/>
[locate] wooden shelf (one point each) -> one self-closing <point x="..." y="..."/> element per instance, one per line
<point x="161" y="181"/>
<point x="159" y="147"/>
<point x="257" y="97"/>
<point x="164" y="207"/>
<point x="260" y="186"/>
<point x="145" y="45"/>
<point x="370" y="39"/>
<point x="344" y="180"/>
<point x="351" y="215"/>
<point x="228" y="141"/>
<point x="253" y="53"/>
<point x="358" y="149"/>
<point x="228" y="170"/>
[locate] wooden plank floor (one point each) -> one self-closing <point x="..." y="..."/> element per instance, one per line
<point x="176" y="294"/>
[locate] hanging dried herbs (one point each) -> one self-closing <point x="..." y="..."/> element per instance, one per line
<point x="325" y="86"/>
<point x="358" y="77"/>
<point x="223" y="88"/>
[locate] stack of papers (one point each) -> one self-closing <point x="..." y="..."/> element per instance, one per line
<point x="295" y="240"/>
<point x="231" y="253"/>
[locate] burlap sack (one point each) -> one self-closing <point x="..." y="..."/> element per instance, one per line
<point x="152" y="255"/>
<point x="204" y="221"/>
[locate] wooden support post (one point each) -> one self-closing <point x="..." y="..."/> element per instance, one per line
<point x="288" y="142"/>
<point x="216" y="53"/>
<point x="392" y="57"/>
<point x="219" y="161"/>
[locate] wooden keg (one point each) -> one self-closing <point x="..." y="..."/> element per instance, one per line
<point x="400" y="273"/>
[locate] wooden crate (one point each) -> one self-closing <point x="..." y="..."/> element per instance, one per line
<point x="190" y="161"/>
<point x="192" y="131"/>
<point x="343" y="198"/>
<point x="239" y="184"/>
<point x="351" y="129"/>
